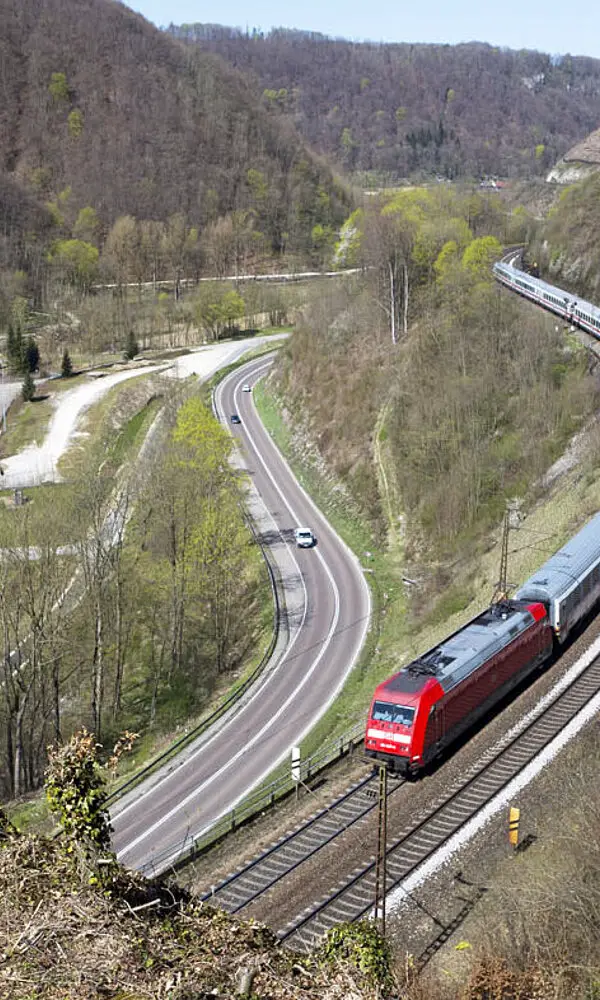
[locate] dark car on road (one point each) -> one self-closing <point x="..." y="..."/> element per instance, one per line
<point x="235" y="419"/>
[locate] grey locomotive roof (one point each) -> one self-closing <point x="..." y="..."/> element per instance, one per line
<point x="543" y="286"/>
<point x="566" y="567"/>
<point x="465" y="651"/>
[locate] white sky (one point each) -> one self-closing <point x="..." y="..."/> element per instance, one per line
<point x="547" y="25"/>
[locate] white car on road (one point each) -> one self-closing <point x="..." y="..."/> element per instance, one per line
<point x="304" y="538"/>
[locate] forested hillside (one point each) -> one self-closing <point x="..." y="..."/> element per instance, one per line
<point x="113" y="134"/>
<point x="473" y="393"/>
<point x="463" y="110"/>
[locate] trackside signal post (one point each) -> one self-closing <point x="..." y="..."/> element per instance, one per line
<point x="296" y="764"/>
<point x="296" y="768"/>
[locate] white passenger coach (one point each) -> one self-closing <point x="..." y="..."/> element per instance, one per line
<point x="575" y="310"/>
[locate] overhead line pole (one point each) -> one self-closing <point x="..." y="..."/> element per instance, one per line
<point x="512" y="518"/>
<point x="381" y="866"/>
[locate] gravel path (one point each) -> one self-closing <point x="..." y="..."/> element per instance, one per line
<point x="37" y="464"/>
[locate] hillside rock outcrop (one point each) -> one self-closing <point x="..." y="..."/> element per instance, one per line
<point x="580" y="162"/>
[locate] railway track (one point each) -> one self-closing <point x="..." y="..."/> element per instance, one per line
<point x="244" y="886"/>
<point x="415" y="844"/>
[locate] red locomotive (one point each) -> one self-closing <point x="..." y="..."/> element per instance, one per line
<point x="423" y="708"/>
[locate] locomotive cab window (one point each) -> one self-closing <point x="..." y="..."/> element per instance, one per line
<point x="402" y="715"/>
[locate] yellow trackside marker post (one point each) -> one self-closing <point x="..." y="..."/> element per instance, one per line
<point x="513" y="825"/>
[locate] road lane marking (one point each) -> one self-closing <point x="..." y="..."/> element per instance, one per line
<point x="268" y="725"/>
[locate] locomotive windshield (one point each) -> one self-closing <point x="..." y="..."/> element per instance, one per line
<point x="383" y="711"/>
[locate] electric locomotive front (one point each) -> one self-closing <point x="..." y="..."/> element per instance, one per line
<point x="428" y="704"/>
<point x="398" y="717"/>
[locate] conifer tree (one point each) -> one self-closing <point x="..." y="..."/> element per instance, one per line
<point x="10" y="343"/>
<point x="31" y="356"/>
<point x="131" y="347"/>
<point x="67" y="365"/>
<point x="14" y="348"/>
<point x="28" y="387"/>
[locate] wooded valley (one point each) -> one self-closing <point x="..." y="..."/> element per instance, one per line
<point x="144" y="175"/>
<point x="400" y="110"/>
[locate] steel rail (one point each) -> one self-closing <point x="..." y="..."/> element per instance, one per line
<point x="293" y="849"/>
<point x="422" y="839"/>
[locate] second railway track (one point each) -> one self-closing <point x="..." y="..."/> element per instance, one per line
<point x="423" y="838"/>
<point x="287" y="854"/>
<point x="415" y="844"/>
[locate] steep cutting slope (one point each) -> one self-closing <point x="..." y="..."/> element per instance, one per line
<point x="567" y="247"/>
<point x="580" y="162"/>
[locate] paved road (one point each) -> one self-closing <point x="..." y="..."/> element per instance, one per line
<point x="294" y="276"/>
<point x="328" y="608"/>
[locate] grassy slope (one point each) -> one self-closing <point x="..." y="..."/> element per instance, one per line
<point x="27" y="423"/>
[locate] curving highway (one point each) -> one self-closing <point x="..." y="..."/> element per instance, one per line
<point x="325" y="615"/>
